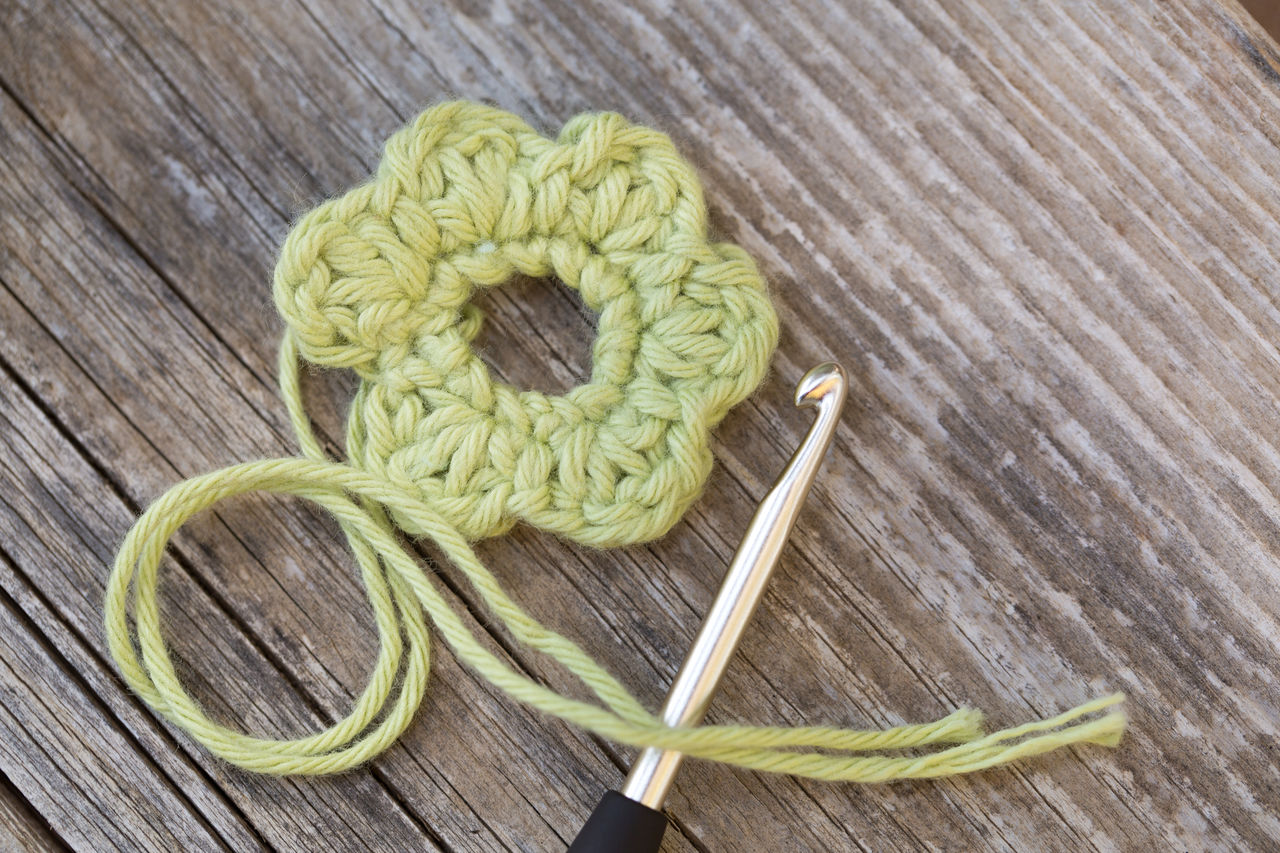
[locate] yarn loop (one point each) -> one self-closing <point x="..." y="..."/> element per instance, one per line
<point x="379" y="281"/>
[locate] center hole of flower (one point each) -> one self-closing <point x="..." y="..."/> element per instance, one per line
<point x="537" y="334"/>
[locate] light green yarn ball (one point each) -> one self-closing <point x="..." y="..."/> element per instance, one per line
<point x="380" y="280"/>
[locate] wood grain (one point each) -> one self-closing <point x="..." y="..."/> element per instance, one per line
<point x="1043" y="238"/>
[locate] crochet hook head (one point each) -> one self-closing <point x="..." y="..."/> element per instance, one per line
<point x="632" y="820"/>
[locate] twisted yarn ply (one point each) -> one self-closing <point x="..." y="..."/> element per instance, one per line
<point x="379" y="281"/>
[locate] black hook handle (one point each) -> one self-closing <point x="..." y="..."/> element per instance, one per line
<point x="620" y="825"/>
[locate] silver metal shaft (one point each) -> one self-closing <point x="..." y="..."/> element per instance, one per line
<point x="651" y="776"/>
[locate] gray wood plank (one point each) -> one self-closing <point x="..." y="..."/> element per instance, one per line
<point x="1044" y="239"/>
<point x="72" y="761"/>
<point x="247" y="684"/>
<point x="60" y="514"/>
<point x="22" y="829"/>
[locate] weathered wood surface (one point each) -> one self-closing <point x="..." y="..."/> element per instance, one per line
<point x="1042" y="238"/>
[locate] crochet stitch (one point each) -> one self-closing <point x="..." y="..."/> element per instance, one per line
<point x="379" y="281"/>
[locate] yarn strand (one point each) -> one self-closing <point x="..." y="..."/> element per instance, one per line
<point x="399" y="592"/>
<point x="379" y="281"/>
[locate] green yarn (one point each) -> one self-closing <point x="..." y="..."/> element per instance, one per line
<point x="467" y="195"/>
<point x="379" y="281"/>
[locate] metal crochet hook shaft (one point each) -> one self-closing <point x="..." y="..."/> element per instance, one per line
<point x="631" y="821"/>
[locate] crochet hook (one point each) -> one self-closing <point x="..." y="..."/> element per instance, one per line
<point x="631" y="820"/>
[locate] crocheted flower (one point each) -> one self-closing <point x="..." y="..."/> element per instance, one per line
<point x="467" y="195"/>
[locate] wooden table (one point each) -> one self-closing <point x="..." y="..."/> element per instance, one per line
<point x="1041" y="237"/>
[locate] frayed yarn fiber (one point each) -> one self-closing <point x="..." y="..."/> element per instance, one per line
<point x="380" y="281"/>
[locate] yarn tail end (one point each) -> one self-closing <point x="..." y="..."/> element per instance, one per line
<point x="1100" y="722"/>
<point x="964" y="725"/>
<point x="1108" y="729"/>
